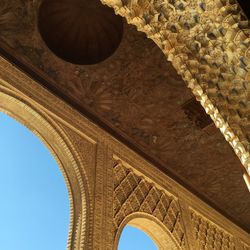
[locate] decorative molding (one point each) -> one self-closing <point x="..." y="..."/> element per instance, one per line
<point x="209" y="235"/>
<point x="48" y="117"/>
<point x="87" y="151"/>
<point x="207" y="42"/>
<point x="139" y="104"/>
<point x="132" y="193"/>
<point x="15" y="104"/>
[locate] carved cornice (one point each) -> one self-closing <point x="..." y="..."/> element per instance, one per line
<point x="139" y="104"/>
<point x="208" y="43"/>
<point x="56" y="112"/>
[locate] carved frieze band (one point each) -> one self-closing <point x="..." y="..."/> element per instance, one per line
<point x="208" y="44"/>
<point x="132" y="193"/>
<point x="210" y="236"/>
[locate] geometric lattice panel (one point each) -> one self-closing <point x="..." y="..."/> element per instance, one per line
<point x="133" y="193"/>
<point x="210" y="236"/>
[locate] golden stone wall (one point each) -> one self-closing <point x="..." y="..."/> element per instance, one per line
<point x="207" y="42"/>
<point x="133" y="193"/>
<point x="210" y="236"/>
<point x="110" y="185"/>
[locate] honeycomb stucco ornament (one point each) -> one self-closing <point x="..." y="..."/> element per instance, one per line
<point x="140" y="103"/>
<point x="207" y="42"/>
<point x="95" y="164"/>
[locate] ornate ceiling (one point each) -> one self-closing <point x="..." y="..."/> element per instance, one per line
<point x="138" y="97"/>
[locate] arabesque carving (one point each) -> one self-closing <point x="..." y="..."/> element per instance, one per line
<point x="141" y="103"/>
<point x="133" y="193"/>
<point x="48" y="130"/>
<point x="209" y="235"/>
<point x="208" y="43"/>
<point x="99" y="204"/>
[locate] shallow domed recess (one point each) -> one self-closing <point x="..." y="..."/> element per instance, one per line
<point x="80" y="31"/>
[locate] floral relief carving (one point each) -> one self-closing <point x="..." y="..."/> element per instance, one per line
<point x="132" y="193"/>
<point x="95" y="96"/>
<point x="138" y="94"/>
<point x="117" y="183"/>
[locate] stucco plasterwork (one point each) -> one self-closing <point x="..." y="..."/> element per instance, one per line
<point x="137" y="96"/>
<point x="152" y="227"/>
<point x="103" y="174"/>
<point x="48" y="130"/>
<point x="210" y="236"/>
<point x="132" y="193"/>
<point x="207" y="42"/>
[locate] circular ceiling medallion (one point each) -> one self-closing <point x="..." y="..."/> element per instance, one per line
<point x="80" y="31"/>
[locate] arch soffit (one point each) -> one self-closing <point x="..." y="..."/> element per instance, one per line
<point x="66" y="156"/>
<point x="154" y="228"/>
<point x="188" y="34"/>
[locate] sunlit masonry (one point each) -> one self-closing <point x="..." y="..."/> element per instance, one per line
<point x="143" y="110"/>
<point x="34" y="196"/>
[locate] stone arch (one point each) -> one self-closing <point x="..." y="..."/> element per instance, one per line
<point x="49" y="132"/>
<point x="136" y="195"/>
<point x="153" y="227"/>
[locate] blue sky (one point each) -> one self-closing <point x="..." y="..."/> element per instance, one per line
<point x="135" y="239"/>
<point x="34" y="210"/>
<point x="34" y="207"/>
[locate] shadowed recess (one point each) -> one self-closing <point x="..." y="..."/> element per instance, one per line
<point x="135" y="239"/>
<point x="137" y="96"/>
<point x="80" y="31"/>
<point x="245" y="5"/>
<point x="34" y="207"/>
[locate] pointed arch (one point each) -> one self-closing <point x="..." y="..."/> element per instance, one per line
<point x="153" y="227"/>
<point x="49" y="132"/>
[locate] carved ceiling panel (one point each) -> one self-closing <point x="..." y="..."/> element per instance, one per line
<point x="138" y="96"/>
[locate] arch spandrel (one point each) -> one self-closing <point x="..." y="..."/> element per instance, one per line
<point x="14" y="100"/>
<point x="12" y="95"/>
<point x="133" y="195"/>
<point x="205" y="230"/>
<point x="140" y="9"/>
<point x="207" y="43"/>
<point x="153" y="227"/>
<point x="66" y="156"/>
